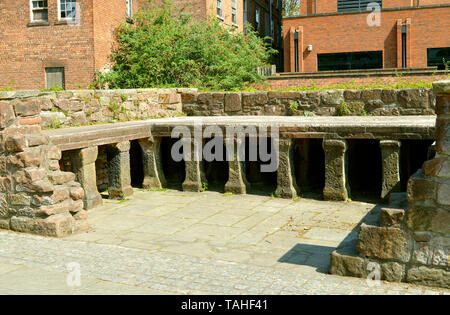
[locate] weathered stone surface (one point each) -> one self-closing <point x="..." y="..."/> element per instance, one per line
<point x="384" y="243"/>
<point x="374" y="94"/>
<point x="59" y="177"/>
<point x="390" y="155"/>
<point x="6" y="115"/>
<point x="428" y="276"/>
<point x="392" y="271"/>
<point x="441" y="87"/>
<point x="57" y="225"/>
<point x="420" y="188"/>
<point x="83" y="163"/>
<point x="352" y="95"/>
<point x="153" y="169"/>
<point x="391" y="217"/>
<point x="437" y="167"/>
<point x="342" y="264"/>
<point x="413" y="98"/>
<point x="443" y="135"/>
<point x="119" y="171"/>
<point x="286" y="182"/>
<point x="336" y="185"/>
<point x="233" y="102"/>
<point x="16" y="143"/>
<point x="331" y="98"/>
<point x="76" y="193"/>
<point x="427" y="218"/>
<point x="194" y="168"/>
<point x="422" y="253"/>
<point x="443" y="105"/>
<point x="389" y="96"/>
<point x="441" y="251"/>
<point x="237" y="179"/>
<point x="443" y="194"/>
<point x="27" y="108"/>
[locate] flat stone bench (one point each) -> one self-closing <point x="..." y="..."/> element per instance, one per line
<point x="334" y="131"/>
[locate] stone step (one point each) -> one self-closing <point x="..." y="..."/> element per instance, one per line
<point x="345" y="261"/>
<point x="390" y="243"/>
<point x="391" y="217"/>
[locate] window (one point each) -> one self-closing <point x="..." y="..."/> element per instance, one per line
<point x="355" y="5"/>
<point x="351" y="60"/>
<point x="234" y="11"/>
<point x="129" y="8"/>
<point x="219" y="8"/>
<point x="54" y="78"/>
<point x="39" y="11"/>
<point x="257" y="19"/>
<point x="436" y="56"/>
<point x="245" y="16"/>
<point x="67" y="9"/>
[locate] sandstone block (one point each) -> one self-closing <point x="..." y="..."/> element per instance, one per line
<point x="391" y="217"/>
<point x="233" y="102"/>
<point x="55" y="225"/>
<point x="6" y="115"/>
<point x="428" y="276"/>
<point x="384" y="243"/>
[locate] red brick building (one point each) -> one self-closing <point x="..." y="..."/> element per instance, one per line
<point x="45" y="43"/>
<point x="367" y="34"/>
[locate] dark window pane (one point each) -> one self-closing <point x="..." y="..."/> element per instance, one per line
<point x="349" y="61"/>
<point x="436" y="56"/>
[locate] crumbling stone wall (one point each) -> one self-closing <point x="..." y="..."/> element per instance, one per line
<point x="82" y="107"/>
<point x="411" y="245"/>
<point x="377" y="102"/>
<point x="35" y="195"/>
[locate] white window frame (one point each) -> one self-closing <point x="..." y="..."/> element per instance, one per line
<point x="234" y="7"/>
<point x="66" y="18"/>
<point x="129" y="4"/>
<point x="32" y="10"/>
<point x="219" y="4"/>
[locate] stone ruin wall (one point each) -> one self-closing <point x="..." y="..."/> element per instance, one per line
<point x="376" y="102"/>
<point x="83" y="107"/>
<point x="413" y="244"/>
<point x="35" y="195"/>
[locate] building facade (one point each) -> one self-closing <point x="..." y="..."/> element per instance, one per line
<point x="367" y="34"/>
<point x="48" y="43"/>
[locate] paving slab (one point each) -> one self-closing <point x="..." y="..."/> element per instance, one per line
<point x="230" y="251"/>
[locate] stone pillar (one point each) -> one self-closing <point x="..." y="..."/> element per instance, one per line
<point x="390" y="156"/>
<point x="237" y="180"/>
<point x="195" y="174"/>
<point x="336" y="184"/>
<point x="83" y="163"/>
<point x="119" y="178"/>
<point x="153" y="170"/>
<point x="286" y="183"/>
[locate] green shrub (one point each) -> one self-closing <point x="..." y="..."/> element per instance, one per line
<point x="167" y="49"/>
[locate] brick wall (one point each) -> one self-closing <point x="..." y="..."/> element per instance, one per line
<point x="351" y="33"/>
<point x="26" y="51"/>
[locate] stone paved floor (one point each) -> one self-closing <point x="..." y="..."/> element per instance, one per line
<point x="161" y="242"/>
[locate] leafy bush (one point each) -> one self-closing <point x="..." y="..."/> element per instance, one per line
<point x="167" y="49"/>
